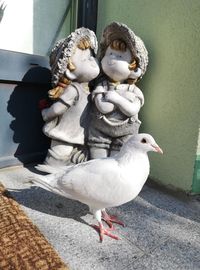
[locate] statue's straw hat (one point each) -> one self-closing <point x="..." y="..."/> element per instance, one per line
<point x="117" y="30"/>
<point x="65" y="48"/>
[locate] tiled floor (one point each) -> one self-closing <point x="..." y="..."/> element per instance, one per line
<point x="162" y="231"/>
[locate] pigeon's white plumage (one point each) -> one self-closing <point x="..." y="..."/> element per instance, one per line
<point x="106" y="182"/>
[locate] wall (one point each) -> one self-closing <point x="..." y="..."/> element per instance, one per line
<point x="196" y="175"/>
<point x="33" y="26"/>
<point x="170" y="30"/>
<point x="28" y="31"/>
<point x="14" y="32"/>
<point x="24" y="80"/>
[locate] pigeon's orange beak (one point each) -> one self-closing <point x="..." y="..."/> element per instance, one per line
<point x="157" y="149"/>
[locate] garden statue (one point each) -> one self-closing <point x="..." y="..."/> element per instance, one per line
<point x="116" y="99"/>
<point x="73" y="65"/>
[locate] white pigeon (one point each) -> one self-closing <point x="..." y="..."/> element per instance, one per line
<point x="105" y="182"/>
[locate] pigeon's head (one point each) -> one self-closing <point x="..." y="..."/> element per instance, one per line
<point x="145" y="142"/>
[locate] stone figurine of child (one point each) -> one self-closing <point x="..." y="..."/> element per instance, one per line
<point x="116" y="99"/>
<point x="73" y="65"/>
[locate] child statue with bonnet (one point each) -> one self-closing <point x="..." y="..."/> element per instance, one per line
<point x="73" y="66"/>
<point x="116" y="98"/>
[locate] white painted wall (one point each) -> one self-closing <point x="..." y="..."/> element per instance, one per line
<point x="16" y="27"/>
<point x="33" y="26"/>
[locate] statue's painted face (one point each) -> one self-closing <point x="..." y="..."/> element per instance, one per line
<point x="86" y="64"/>
<point x="115" y="64"/>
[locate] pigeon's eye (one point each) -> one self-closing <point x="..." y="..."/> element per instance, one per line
<point x="143" y="140"/>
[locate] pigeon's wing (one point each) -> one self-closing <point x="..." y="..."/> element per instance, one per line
<point x="93" y="182"/>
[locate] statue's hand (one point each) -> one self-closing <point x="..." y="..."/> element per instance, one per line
<point x="99" y="90"/>
<point x="112" y="96"/>
<point x="44" y="114"/>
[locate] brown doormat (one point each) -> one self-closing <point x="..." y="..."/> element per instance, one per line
<point x="22" y="246"/>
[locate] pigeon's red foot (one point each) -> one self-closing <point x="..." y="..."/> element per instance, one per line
<point x="111" y="219"/>
<point x="102" y="231"/>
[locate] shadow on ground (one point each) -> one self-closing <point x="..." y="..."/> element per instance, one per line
<point x="49" y="203"/>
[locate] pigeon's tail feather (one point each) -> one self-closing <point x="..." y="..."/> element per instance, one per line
<point x="48" y="182"/>
<point x="50" y="169"/>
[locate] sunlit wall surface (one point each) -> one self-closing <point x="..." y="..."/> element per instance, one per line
<point x="33" y="26"/>
<point x="170" y="30"/>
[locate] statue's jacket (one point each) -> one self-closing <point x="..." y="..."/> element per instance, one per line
<point x="116" y="124"/>
<point x="71" y="126"/>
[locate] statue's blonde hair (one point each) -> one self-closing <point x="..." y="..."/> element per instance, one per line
<point x="84" y="44"/>
<point x="120" y="45"/>
<point x="57" y="91"/>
